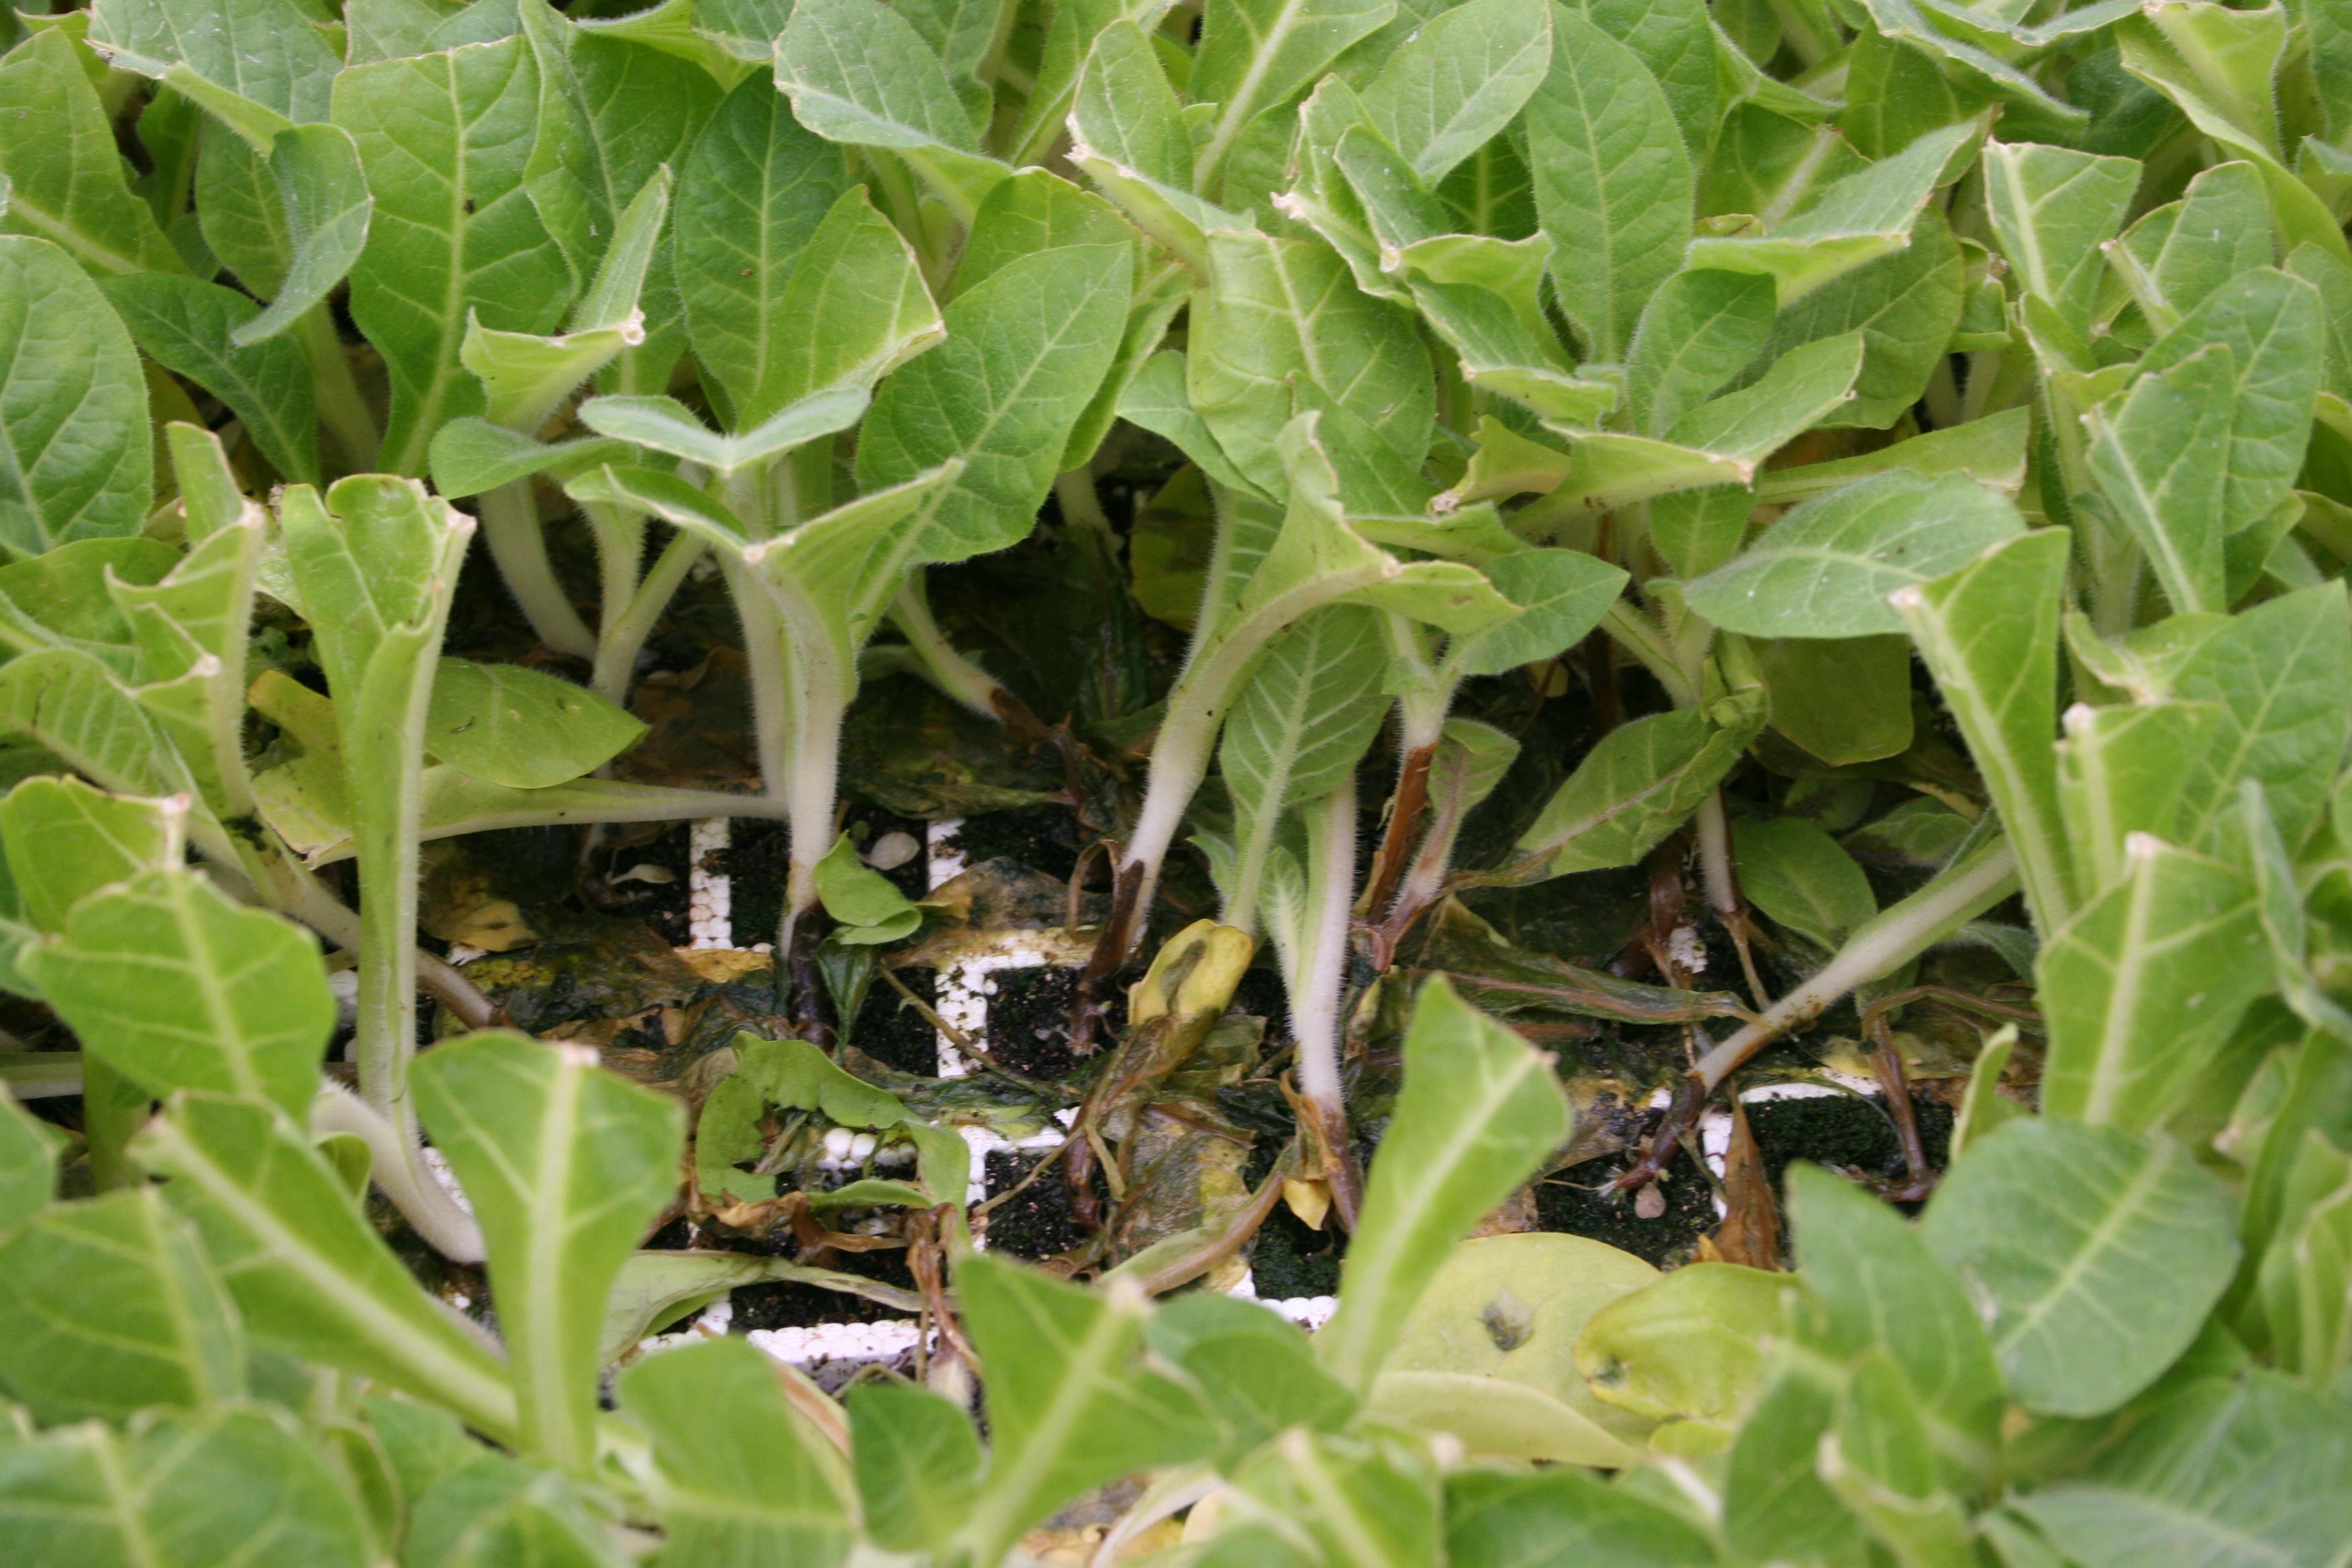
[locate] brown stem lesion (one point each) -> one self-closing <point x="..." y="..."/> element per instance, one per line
<point x="1404" y="831"/>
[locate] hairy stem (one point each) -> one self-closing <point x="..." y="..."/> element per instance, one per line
<point x="1322" y="963"/>
<point x="625" y="634"/>
<point x="111" y="1113"/>
<point x="963" y="681"/>
<point x="511" y="527"/>
<point x="420" y="1197"/>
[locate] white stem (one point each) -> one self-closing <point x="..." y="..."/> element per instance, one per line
<point x="395" y="1161"/>
<point x="1315" y="998"/>
<point x="624" y="635"/>
<point x="511" y="527"/>
<point x="1714" y="856"/>
<point x="1899" y="933"/>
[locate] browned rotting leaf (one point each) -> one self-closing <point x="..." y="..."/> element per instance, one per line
<point x="1750" y="1232"/>
<point x="698" y="738"/>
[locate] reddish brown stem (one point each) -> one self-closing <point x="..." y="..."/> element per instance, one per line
<point x="1103" y="965"/>
<point x="1403" y="829"/>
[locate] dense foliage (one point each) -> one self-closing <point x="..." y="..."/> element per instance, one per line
<point x="1912" y="437"/>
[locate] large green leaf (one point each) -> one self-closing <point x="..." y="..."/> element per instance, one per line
<point x="444" y="139"/>
<point x="858" y="71"/>
<point x="1878" y="1288"/>
<point x="742" y="1477"/>
<point x="2053" y="208"/>
<point x="1479" y="1111"/>
<point x="1257" y="55"/>
<point x="2141" y="987"/>
<point x="2160" y="452"/>
<point x="1562" y="1516"/>
<point x="751" y="194"/>
<point x="326" y="211"/>
<point x="307" y="1268"/>
<point x="2176" y="255"/>
<point x="262" y="52"/>
<point x="1907" y="305"/>
<point x="1458" y="80"/>
<point x="1561" y="594"/>
<point x="1826" y="569"/>
<point x="1989" y="633"/>
<point x="565" y="1166"/>
<point x="189" y="327"/>
<point x="2222" y="1474"/>
<point x="1129" y="135"/>
<point x="1069" y="1407"/>
<point x="2276" y="673"/>
<point x="238" y="1486"/>
<point x="917" y="1461"/>
<point x="1024" y="354"/>
<point x="66" y="184"/>
<point x="114" y="1310"/>
<point x="1697" y="333"/>
<point x="2096" y="1254"/>
<point x="1613" y="181"/>
<point x="177" y="986"/>
<point x="75" y="457"/>
<point x="1282" y="314"/>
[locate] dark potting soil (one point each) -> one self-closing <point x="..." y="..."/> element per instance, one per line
<point x="1029" y="1020"/>
<point x="1288" y="1259"/>
<point x="1845" y="1131"/>
<point x="1042" y="837"/>
<point x="662" y="905"/>
<point x="1037" y="1223"/>
<point x="889" y="1029"/>
<point x="797" y="1306"/>
<point x="1577" y="1202"/>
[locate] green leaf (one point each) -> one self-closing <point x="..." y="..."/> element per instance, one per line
<point x="262" y="52"/>
<point x="1069" y="1408"/>
<point x="855" y="308"/>
<point x="1557" y="1517"/>
<point x="326" y="213"/>
<point x="1024" y="354"/>
<point x="565" y="1166"/>
<point x="2272" y="325"/>
<point x="1458" y="80"/>
<point x="1907" y="305"/>
<point x="28" y="1165"/>
<point x="177" y="986"/>
<point x="1479" y="1111"/>
<point x="1561" y="596"/>
<point x="858" y="72"/>
<point x="869" y="905"/>
<point x="188" y="327"/>
<point x="1639" y="785"/>
<point x="209" y="1490"/>
<point x="73" y="405"/>
<point x="2301" y="1280"/>
<point x="1255" y="56"/>
<point x="2223" y="1472"/>
<point x="114" y="1310"/>
<point x="1878" y="1286"/>
<point x="1613" y="181"/>
<point x="1279" y="313"/>
<point x="2119" y="773"/>
<point x="2275" y="673"/>
<point x="1690" y="1345"/>
<point x="1991" y="451"/>
<point x="2053" y="208"/>
<point x="2141" y="987"/>
<point x="470" y="456"/>
<point x="751" y="194"/>
<point x="1844" y="699"/>
<point x="667" y="425"/>
<point x="510" y="725"/>
<point x="2160" y="452"/>
<point x="444" y="139"/>
<point x="2174" y="258"/>
<point x="1988" y="634"/>
<point x="1799" y="877"/>
<point x="308" y="1270"/>
<point x="1259" y="1372"/>
<point x="2096" y="1254"/>
<point x="1825" y="569"/>
<point x="1360" y="1501"/>
<point x="1311" y="705"/>
<point x="491" y="1511"/>
<point x="66" y="840"/>
<point x="1852" y="221"/>
<point x="66" y="184"/>
<point x="65" y="701"/>
<point x="1129" y="135"/>
<point x="917" y="1461"/>
<point x="740" y="1478"/>
<point x="1697" y="333"/>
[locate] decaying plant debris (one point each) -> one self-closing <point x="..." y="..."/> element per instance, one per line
<point x="750" y="746"/>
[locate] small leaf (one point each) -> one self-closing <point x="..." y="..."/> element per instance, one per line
<point x="1458" y="80"/>
<point x="521" y="728"/>
<point x="918" y="1463"/>
<point x="869" y="905"/>
<point x="1799" y="877"/>
<point x="1561" y="594"/>
<point x="1639" y="785"/>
